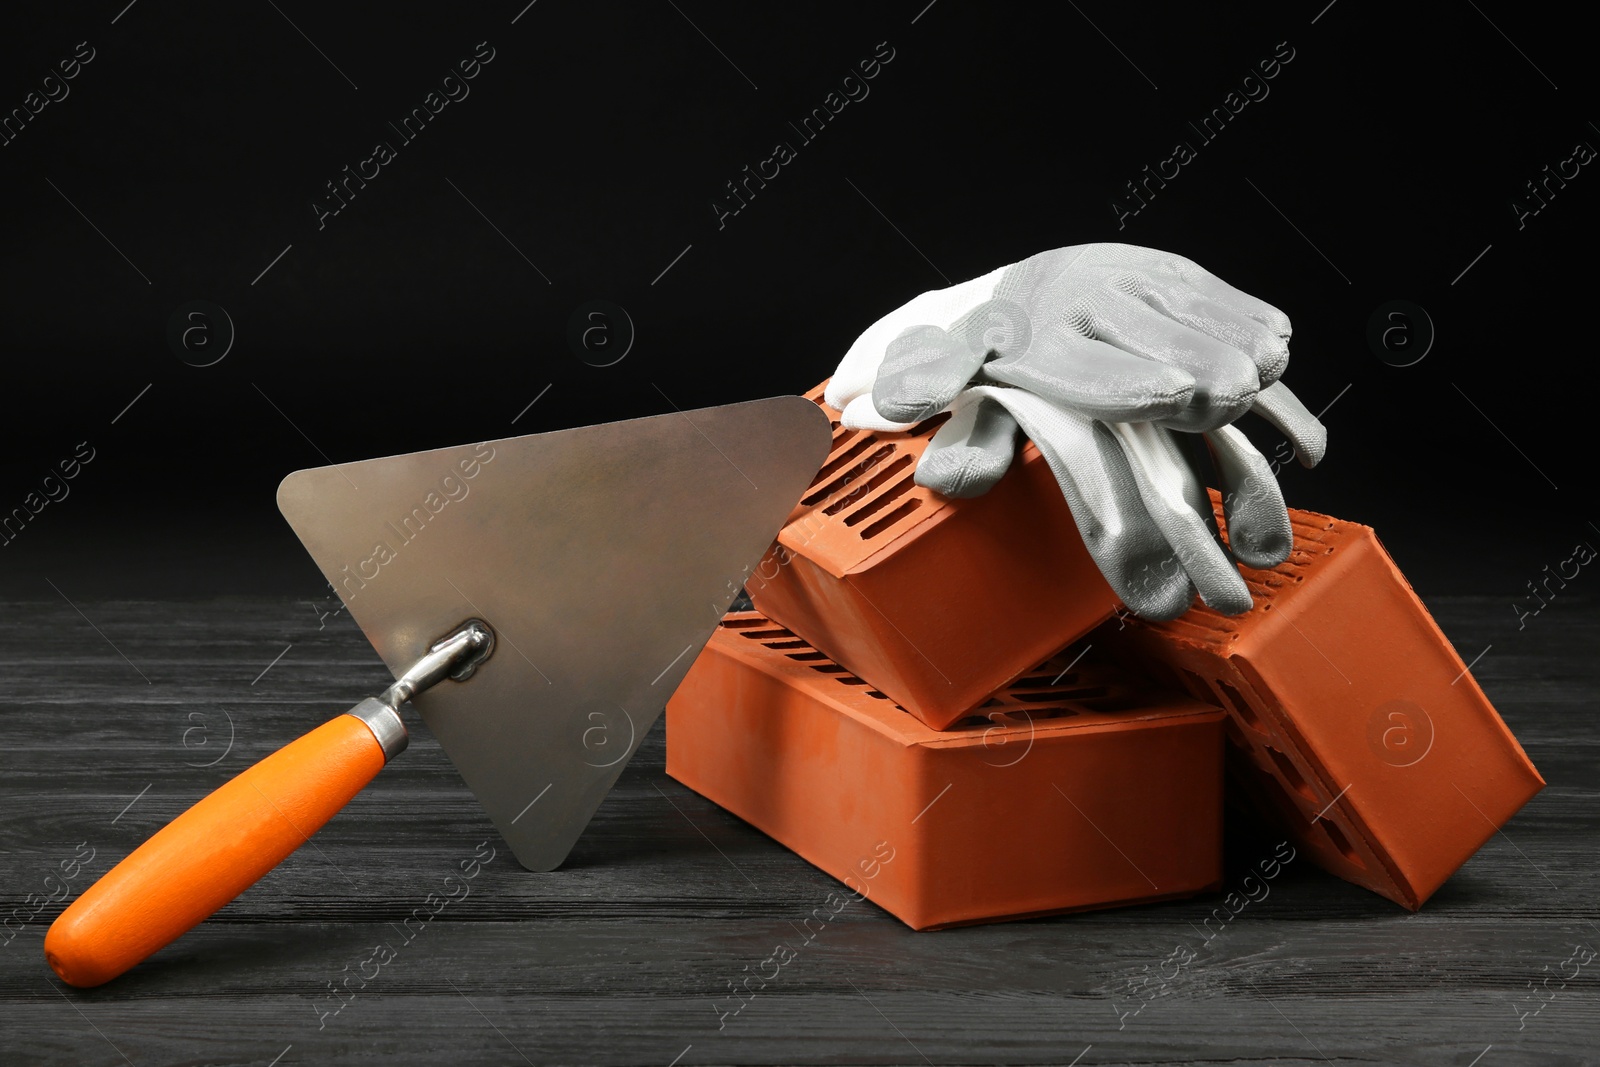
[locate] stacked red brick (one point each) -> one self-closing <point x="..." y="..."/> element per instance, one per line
<point x="907" y="685"/>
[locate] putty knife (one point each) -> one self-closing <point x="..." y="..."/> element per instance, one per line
<point x="537" y="598"/>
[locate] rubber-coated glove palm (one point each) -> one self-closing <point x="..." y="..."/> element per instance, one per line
<point x="1098" y="352"/>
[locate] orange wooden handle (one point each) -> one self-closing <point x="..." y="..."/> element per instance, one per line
<point x="211" y="853"/>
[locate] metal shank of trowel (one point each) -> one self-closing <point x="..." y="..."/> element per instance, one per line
<point x="454" y="657"/>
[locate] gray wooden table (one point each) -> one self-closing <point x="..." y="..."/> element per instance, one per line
<point x="115" y="717"/>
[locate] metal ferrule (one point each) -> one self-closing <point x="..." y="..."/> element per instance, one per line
<point x="385" y="724"/>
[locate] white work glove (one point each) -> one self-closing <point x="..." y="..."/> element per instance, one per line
<point x="1099" y="352"/>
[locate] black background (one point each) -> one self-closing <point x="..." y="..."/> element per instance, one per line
<point x="1382" y="164"/>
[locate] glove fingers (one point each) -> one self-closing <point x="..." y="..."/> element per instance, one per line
<point x="1104" y="497"/>
<point x="1094" y="378"/>
<point x="923" y="370"/>
<point x="1226" y="380"/>
<point x="1259" y="533"/>
<point x="1209" y="285"/>
<point x="1166" y="484"/>
<point x="859" y="368"/>
<point x="1283" y="409"/>
<point x="859" y="414"/>
<point x="1191" y="447"/>
<point x="1266" y="348"/>
<point x="971" y="451"/>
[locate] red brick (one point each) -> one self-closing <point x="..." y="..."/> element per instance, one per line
<point x="936" y="602"/>
<point x="1072" y="789"/>
<point x="1352" y="720"/>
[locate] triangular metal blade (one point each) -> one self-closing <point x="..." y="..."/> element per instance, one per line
<point x="602" y="557"/>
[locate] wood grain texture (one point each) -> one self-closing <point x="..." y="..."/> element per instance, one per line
<point x="625" y="955"/>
